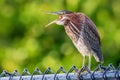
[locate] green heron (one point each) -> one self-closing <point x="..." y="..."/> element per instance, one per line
<point x="83" y="33"/>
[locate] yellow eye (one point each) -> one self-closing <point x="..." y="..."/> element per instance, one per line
<point x="60" y="17"/>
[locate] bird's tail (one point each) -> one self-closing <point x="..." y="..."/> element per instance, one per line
<point x="98" y="56"/>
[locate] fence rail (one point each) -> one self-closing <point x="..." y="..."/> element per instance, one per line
<point x="100" y="73"/>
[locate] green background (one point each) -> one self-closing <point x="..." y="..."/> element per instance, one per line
<point x="26" y="43"/>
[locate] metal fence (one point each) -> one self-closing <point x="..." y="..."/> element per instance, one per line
<point x="100" y="73"/>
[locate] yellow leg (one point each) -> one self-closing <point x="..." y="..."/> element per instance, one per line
<point x="83" y="64"/>
<point x="89" y="62"/>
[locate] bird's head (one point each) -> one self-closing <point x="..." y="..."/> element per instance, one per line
<point x="63" y="17"/>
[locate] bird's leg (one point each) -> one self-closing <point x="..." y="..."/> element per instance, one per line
<point x="89" y="61"/>
<point x="83" y="64"/>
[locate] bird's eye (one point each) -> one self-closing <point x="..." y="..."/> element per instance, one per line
<point x="60" y="17"/>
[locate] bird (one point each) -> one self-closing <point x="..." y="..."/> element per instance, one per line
<point x="83" y="33"/>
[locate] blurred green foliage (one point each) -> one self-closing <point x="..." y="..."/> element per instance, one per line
<point x="26" y="43"/>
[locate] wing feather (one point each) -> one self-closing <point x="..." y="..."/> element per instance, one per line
<point x="83" y="28"/>
<point x="92" y="38"/>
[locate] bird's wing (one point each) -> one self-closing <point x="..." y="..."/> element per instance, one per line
<point x="92" y="38"/>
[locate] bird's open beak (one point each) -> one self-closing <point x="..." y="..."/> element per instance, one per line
<point x="54" y="13"/>
<point x="51" y="23"/>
